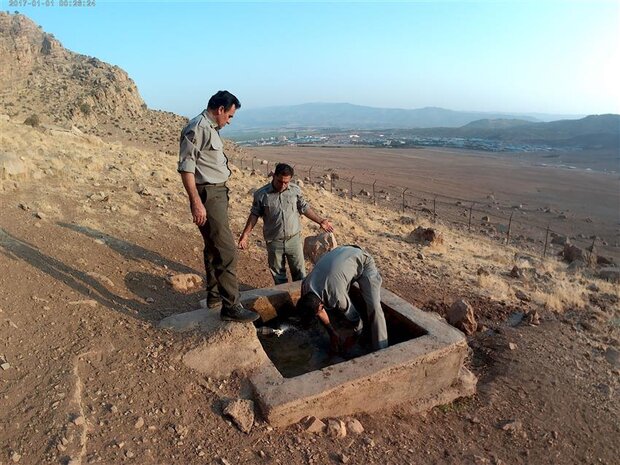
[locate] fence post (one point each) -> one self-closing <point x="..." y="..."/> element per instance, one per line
<point x="374" y="195"/>
<point x="434" y="209"/>
<point x="253" y="158"/>
<point x="405" y="190"/>
<point x="591" y="251"/>
<point x="546" y="239"/>
<point x="310" y="173"/>
<point x="267" y="168"/>
<point x="351" y="191"/>
<point x="509" y="226"/>
<point x="469" y="223"/>
<point x="331" y="183"/>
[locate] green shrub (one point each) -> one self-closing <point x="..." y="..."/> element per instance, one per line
<point x="85" y="108"/>
<point x="33" y="120"/>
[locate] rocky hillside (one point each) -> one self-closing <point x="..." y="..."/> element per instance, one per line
<point x="38" y="76"/>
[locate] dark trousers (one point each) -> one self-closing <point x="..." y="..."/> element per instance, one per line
<point x="220" y="252"/>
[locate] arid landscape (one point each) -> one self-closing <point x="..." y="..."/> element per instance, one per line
<point x="95" y="223"/>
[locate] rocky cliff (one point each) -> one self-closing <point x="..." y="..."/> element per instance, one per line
<point x="38" y="76"/>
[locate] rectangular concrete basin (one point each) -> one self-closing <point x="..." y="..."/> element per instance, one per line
<point x="425" y="369"/>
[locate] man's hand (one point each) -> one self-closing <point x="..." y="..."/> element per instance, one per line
<point x="243" y="242"/>
<point x="199" y="213"/>
<point x="326" y="226"/>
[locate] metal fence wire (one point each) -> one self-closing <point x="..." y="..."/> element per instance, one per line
<point x="503" y="223"/>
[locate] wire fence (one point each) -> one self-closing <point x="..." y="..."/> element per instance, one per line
<point x="540" y="231"/>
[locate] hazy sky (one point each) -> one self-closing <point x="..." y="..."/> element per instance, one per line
<point x="514" y="56"/>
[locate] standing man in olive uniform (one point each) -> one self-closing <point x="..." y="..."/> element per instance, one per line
<point x="280" y="203"/>
<point x="204" y="172"/>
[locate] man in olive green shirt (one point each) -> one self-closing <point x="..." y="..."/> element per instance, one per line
<point x="280" y="203"/>
<point x="204" y="172"/>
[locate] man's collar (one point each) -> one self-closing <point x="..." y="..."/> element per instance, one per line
<point x="207" y="115"/>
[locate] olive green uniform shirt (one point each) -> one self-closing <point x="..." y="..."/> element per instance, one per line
<point x="280" y="211"/>
<point x="202" y="151"/>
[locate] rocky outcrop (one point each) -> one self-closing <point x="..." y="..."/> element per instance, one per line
<point x="38" y="76"/>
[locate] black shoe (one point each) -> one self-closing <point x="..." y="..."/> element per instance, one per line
<point x="238" y="313"/>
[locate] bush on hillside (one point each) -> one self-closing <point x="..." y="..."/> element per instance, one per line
<point x="33" y="120"/>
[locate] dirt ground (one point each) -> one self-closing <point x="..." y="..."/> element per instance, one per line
<point x="91" y="379"/>
<point x="512" y="179"/>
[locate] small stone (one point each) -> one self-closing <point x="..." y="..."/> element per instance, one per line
<point x="354" y="426"/>
<point x="532" y="317"/>
<point x="482" y="272"/>
<point x="139" y="423"/>
<point x="241" y="412"/>
<point x="369" y="442"/>
<point x="512" y="426"/>
<point x="5" y="366"/>
<point x="516" y="272"/>
<point x="613" y="356"/>
<point x="512" y="346"/>
<point x="336" y="429"/>
<point x="522" y="296"/>
<point x="15" y="457"/>
<point x="40" y="215"/>
<point x="113" y="408"/>
<point x="343" y="458"/>
<point x="130" y="454"/>
<point x="79" y="420"/>
<point x="150" y="300"/>
<point x="420" y="256"/>
<point x="313" y="425"/>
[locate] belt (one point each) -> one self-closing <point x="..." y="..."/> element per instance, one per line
<point x="286" y="238"/>
<point x="207" y="184"/>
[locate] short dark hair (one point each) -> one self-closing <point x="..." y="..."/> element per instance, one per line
<point x="223" y="98"/>
<point x="307" y="307"/>
<point x="282" y="169"/>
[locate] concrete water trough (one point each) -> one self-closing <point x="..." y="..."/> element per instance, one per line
<point x="425" y="368"/>
<point x="424" y="364"/>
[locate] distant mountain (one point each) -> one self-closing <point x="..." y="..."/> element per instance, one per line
<point x="593" y="132"/>
<point x="348" y="116"/>
<point x="496" y="123"/>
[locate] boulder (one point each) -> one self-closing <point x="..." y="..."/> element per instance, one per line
<point x="316" y="246"/>
<point x="184" y="282"/>
<point x="560" y="240"/>
<point x="572" y="253"/>
<point x="461" y="316"/>
<point x="425" y="236"/>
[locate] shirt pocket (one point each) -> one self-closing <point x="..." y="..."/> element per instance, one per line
<point x="216" y="143"/>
